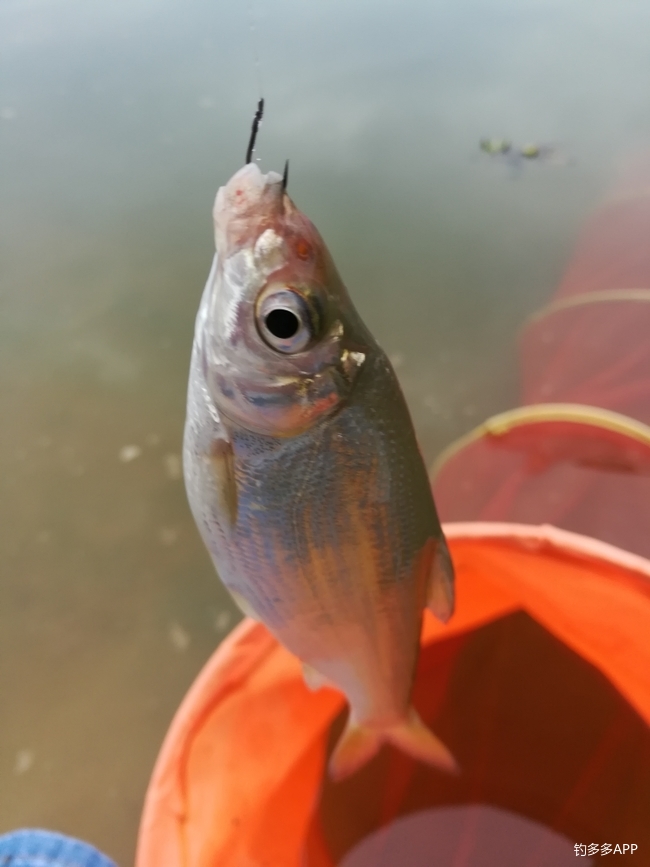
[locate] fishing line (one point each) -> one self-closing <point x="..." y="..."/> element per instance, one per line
<point x="258" y="74"/>
<point x="255" y="47"/>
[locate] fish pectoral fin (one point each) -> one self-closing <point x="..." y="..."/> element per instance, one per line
<point x="440" y="588"/>
<point x="356" y="746"/>
<point x="313" y="679"/>
<point x="222" y="463"/>
<point x="243" y="605"/>
<point x="416" y="739"/>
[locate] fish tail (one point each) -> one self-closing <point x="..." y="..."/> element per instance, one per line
<point x="358" y="744"/>
<point x="416" y="739"/>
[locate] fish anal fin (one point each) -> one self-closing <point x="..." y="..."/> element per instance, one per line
<point x="416" y="739"/>
<point x="222" y="463"/>
<point x="243" y="605"/>
<point x="356" y="746"/>
<point x="440" y="586"/>
<point x="313" y="679"/>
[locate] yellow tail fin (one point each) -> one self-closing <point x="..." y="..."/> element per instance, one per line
<point x="358" y="744"/>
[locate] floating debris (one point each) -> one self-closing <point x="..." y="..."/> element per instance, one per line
<point x="129" y="453"/>
<point x="530" y="151"/>
<point x="432" y="402"/>
<point x="167" y="536"/>
<point x="515" y="155"/>
<point x="179" y="638"/>
<point x="23" y="762"/>
<point x="223" y="620"/>
<point x="495" y="145"/>
<point x="397" y="360"/>
<point x="173" y="467"/>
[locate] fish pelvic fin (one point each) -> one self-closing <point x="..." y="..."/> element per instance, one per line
<point x="358" y="744"/>
<point x="440" y="588"/>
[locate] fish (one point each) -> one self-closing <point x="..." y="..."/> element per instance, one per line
<point x="303" y="472"/>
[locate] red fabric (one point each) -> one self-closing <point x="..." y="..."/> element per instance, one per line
<point x="612" y="251"/>
<point x="486" y="482"/>
<point x="595" y="353"/>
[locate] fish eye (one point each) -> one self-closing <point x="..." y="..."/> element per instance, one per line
<point x="286" y="320"/>
<point x="282" y="323"/>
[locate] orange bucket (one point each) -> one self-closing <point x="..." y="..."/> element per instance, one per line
<point x="540" y="685"/>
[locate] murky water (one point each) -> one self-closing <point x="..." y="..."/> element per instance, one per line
<point x="117" y="123"/>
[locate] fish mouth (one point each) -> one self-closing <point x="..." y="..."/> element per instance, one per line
<point x="247" y="205"/>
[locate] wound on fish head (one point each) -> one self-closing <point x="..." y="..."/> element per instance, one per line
<point x="282" y="340"/>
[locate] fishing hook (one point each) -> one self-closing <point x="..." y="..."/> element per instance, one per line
<point x="256" y="125"/>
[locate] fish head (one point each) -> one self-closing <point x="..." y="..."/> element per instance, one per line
<point x="281" y="342"/>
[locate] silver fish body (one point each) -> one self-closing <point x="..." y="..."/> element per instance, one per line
<point x="303" y="471"/>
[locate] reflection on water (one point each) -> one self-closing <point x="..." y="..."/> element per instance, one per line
<point x="117" y="123"/>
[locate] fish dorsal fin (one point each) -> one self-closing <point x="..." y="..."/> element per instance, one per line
<point x="440" y="587"/>
<point x="222" y="463"/>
